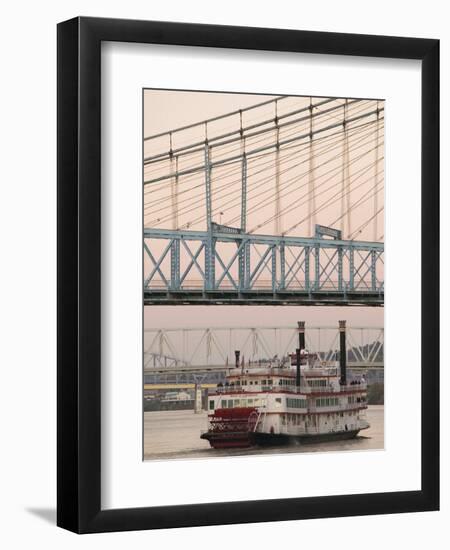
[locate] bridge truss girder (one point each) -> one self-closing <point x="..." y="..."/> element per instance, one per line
<point x="229" y="266"/>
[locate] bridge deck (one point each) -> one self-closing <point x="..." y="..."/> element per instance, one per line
<point x="263" y="297"/>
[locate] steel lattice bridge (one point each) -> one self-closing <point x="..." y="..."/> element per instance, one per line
<point x="198" y="350"/>
<point x="311" y="271"/>
<point x="281" y="174"/>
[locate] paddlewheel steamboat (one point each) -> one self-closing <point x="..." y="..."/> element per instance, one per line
<point x="298" y="400"/>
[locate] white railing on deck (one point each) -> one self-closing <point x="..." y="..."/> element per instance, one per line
<point x="332" y="408"/>
<point x="292" y="389"/>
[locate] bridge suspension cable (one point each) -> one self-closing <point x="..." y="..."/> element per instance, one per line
<point x="190" y="203"/>
<point x="229" y="198"/>
<point x="261" y="149"/>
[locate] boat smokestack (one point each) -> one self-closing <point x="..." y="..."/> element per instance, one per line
<point x="301" y="347"/>
<point x="301" y="335"/>
<point x="297" y="377"/>
<point x="237" y="353"/>
<point x="342" y="353"/>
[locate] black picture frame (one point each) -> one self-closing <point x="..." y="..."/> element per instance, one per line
<point x="79" y="280"/>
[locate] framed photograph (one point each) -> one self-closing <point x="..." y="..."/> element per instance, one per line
<point x="248" y="288"/>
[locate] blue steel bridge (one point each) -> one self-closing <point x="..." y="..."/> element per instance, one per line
<point x="277" y="202"/>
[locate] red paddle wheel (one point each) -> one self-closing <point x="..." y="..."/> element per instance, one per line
<point x="231" y="427"/>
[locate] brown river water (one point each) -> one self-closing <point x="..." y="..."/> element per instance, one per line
<point x="176" y="434"/>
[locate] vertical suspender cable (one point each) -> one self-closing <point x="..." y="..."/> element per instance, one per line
<point x="176" y="193"/>
<point x="377" y="162"/>
<point x="343" y="171"/>
<point x="209" y="248"/>
<point x="346" y="175"/>
<point x="311" y="181"/>
<point x="172" y="183"/>
<point x="278" y="228"/>
<point x="244" y="176"/>
<point x="244" y="254"/>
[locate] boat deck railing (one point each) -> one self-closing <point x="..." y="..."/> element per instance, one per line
<point x="334" y="408"/>
<point x="288" y="389"/>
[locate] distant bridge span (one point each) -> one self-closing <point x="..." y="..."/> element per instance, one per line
<point x="353" y="365"/>
<point x="197" y="350"/>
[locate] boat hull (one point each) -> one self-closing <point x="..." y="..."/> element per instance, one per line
<point x="237" y="440"/>
<point x="266" y="439"/>
<point x="258" y="439"/>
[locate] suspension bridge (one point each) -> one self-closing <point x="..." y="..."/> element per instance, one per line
<point x="277" y="202"/>
<point x="199" y="350"/>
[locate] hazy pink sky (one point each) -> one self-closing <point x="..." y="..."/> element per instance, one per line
<point x="168" y="110"/>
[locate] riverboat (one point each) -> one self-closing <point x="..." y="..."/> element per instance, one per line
<point x="298" y="400"/>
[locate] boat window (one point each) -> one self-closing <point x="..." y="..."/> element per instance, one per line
<point x="327" y="402"/>
<point x="296" y="403"/>
<point x="317" y="383"/>
<point x="211" y="405"/>
<point x="270" y="382"/>
<point x="278" y="399"/>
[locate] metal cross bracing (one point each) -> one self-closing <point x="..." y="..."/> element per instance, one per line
<point x="154" y="360"/>
<point x="273" y="269"/>
<point x="202" y="350"/>
<point x="311" y="166"/>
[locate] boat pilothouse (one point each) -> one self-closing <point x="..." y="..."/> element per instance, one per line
<point x="284" y="401"/>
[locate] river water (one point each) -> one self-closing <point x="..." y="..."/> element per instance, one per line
<point x="176" y="434"/>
